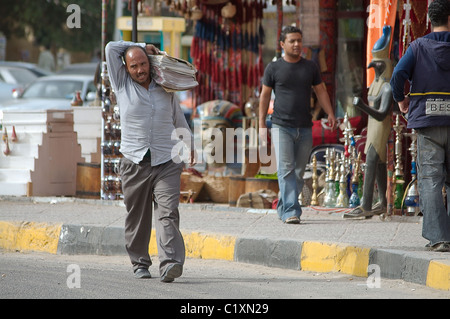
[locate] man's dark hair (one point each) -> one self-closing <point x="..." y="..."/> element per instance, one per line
<point x="289" y="29"/>
<point x="438" y="11"/>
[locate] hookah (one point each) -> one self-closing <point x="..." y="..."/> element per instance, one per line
<point x="324" y="191"/>
<point x="349" y="151"/>
<point x="411" y="200"/>
<point x="337" y="176"/>
<point x="355" y="200"/>
<point x="346" y="133"/>
<point x="342" y="198"/>
<point x="330" y="198"/>
<point x="314" y="199"/>
<point x="399" y="180"/>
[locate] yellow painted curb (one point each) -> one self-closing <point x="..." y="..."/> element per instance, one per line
<point x="438" y="275"/>
<point x="323" y="257"/>
<point x="152" y="247"/>
<point x="203" y="246"/>
<point x="29" y="236"/>
<point x="209" y="246"/>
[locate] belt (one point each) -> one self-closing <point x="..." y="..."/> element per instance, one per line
<point x="429" y="93"/>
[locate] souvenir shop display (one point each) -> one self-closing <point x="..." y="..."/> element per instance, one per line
<point x="226" y="73"/>
<point x="414" y="22"/>
<point x="227" y="50"/>
<point x="111" y="184"/>
<point x="344" y="177"/>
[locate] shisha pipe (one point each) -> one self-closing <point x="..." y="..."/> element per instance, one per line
<point x="314" y="199"/>
<point x="411" y="196"/>
<point x="354" y="200"/>
<point x="399" y="179"/>
<point x="330" y="198"/>
<point x="349" y="152"/>
<point x="342" y="198"/>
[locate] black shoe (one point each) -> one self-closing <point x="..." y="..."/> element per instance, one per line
<point x="378" y="209"/>
<point x="142" y="273"/>
<point x="172" y="271"/>
<point x="358" y="212"/>
<point x="292" y="220"/>
<point x="440" y="247"/>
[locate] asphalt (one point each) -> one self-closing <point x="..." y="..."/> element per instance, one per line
<point x="322" y="242"/>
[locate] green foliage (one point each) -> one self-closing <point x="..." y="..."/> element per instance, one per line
<point x="46" y="20"/>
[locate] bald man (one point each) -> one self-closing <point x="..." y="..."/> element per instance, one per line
<point x="149" y="172"/>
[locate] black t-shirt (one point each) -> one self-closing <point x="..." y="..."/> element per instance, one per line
<point x="292" y="84"/>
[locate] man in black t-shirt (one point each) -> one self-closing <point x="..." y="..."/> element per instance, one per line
<point x="292" y="79"/>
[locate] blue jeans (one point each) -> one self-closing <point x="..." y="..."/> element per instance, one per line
<point x="433" y="165"/>
<point x="292" y="149"/>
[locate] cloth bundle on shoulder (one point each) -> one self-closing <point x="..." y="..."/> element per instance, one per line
<point x="172" y="73"/>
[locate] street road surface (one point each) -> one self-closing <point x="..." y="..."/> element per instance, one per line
<point x="41" y="275"/>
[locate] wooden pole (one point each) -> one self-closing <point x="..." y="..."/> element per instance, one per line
<point x="280" y="26"/>
<point x="134" y="20"/>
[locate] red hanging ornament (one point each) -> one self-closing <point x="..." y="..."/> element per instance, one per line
<point x="7" y="151"/>
<point x="13" y="135"/>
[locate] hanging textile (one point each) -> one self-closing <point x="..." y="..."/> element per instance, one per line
<point x="327" y="43"/>
<point x="381" y="13"/>
<point x="413" y="22"/>
<point x="227" y="52"/>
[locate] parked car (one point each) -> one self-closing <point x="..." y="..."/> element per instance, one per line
<point x="80" y="68"/>
<point x="53" y="92"/>
<point x="29" y="66"/>
<point x="13" y="78"/>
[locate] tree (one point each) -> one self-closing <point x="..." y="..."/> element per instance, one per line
<point x="47" y="22"/>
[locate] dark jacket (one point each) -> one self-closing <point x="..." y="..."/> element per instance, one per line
<point x="427" y="66"/>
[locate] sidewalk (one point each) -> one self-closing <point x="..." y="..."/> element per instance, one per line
<point x="323" y="242"/>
